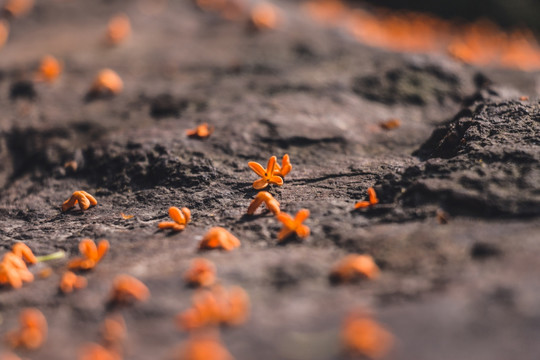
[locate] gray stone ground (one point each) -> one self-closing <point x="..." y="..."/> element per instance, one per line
<point x="468" y="289"/>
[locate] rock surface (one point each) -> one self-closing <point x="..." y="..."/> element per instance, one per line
<point x="467" y="153"/>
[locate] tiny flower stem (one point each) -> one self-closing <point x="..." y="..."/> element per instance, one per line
<point x="54" y="256"/>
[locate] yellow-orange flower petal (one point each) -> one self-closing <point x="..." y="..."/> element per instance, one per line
<point x="355" y="267"/>
<point x="126" y="289"/>
<point x="219" y="238"/>
<point x="295" y="225"/>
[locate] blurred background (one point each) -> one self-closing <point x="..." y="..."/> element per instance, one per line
<point x="508" y="14"/>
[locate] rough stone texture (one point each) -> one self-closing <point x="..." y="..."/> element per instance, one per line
<point x="485" y="162"/>
<point x="467" y="289"/>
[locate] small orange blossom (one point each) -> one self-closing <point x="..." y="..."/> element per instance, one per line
<point x="267" y="175"/>
<point x="180" y="217"/>
<point x="263" y="196"/>
<point x="92" y="254"/>
<point x="295" y="225"/>
<point x="219" y="238"/>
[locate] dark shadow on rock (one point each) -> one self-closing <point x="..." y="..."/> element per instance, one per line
<point x="485" y="162"/>
<point x="22" y="90"/>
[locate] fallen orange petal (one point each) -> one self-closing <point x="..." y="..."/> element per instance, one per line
<point x="201" y="131"/>
<point x="70" y="281"/>
<point x="354" y="267"/>
<point x="18" y="8"/>
<point x="114" y="329"/>
<point x="119" y="29"/>
<point x="203" y="347"/>
<point x="219" y="238"/>
<point x="201" y="273"/>
<point x="364" y="336"/>
<point x="24" y="252"/>
<point x="93" y="351"/>
<point x="390" y="124"/>
<point x="4" y="32"/>
<point x="127" y="289"/>
<point x="264" y="16"/>
<point x="49" y="70"/>
<point x="126" y="217"/>
<point x="107" y="82"/>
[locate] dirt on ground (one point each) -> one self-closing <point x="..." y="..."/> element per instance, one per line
<point x="456" y="233"/>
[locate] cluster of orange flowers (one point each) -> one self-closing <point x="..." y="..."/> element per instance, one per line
<point x="32" y="332"/>
<point x="214" y="305"/>
<point x="480" y="43"/>
<point x="274" y="174"/>
<point x="211" y="307"/>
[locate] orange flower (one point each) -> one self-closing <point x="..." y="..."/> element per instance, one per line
<point x="92" y="254"/>
<point x="84" y="199"/>
<point x="113" y="330"/>
<point x="13" y="271"/>
<point x="126" y="217"/>
<point x="390" y="124"/>
<point x="32" y="332"/>
<point x="219" y="238"/>
<point x="285" y="167"/>
<point x="364" y="336"/>
<point x="18" y="8"/>
<point x="264" y="17"/>
<point x="93" y="351"/>
<point x="24" y="252"/>
<point x="372" y="200"/>
<point x="107" y="82"/>
<point x="119" y="29"/>
<point x="267" y="175"/>
<point x="201" y="273"/>
<point x="180" y="217"/>
<point x="205" y="346"/>
<point x="4" y="32"/>
<point x="214" y="307"/>
<point x="49" y="70"/>
<point x="295" y="225"/>
<point x="263" y="196"/>
<point x="71" y="281"/>
<point x="126" y="289"/>
<point x="202" y="131"/>
<point x="354" y="267"/>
